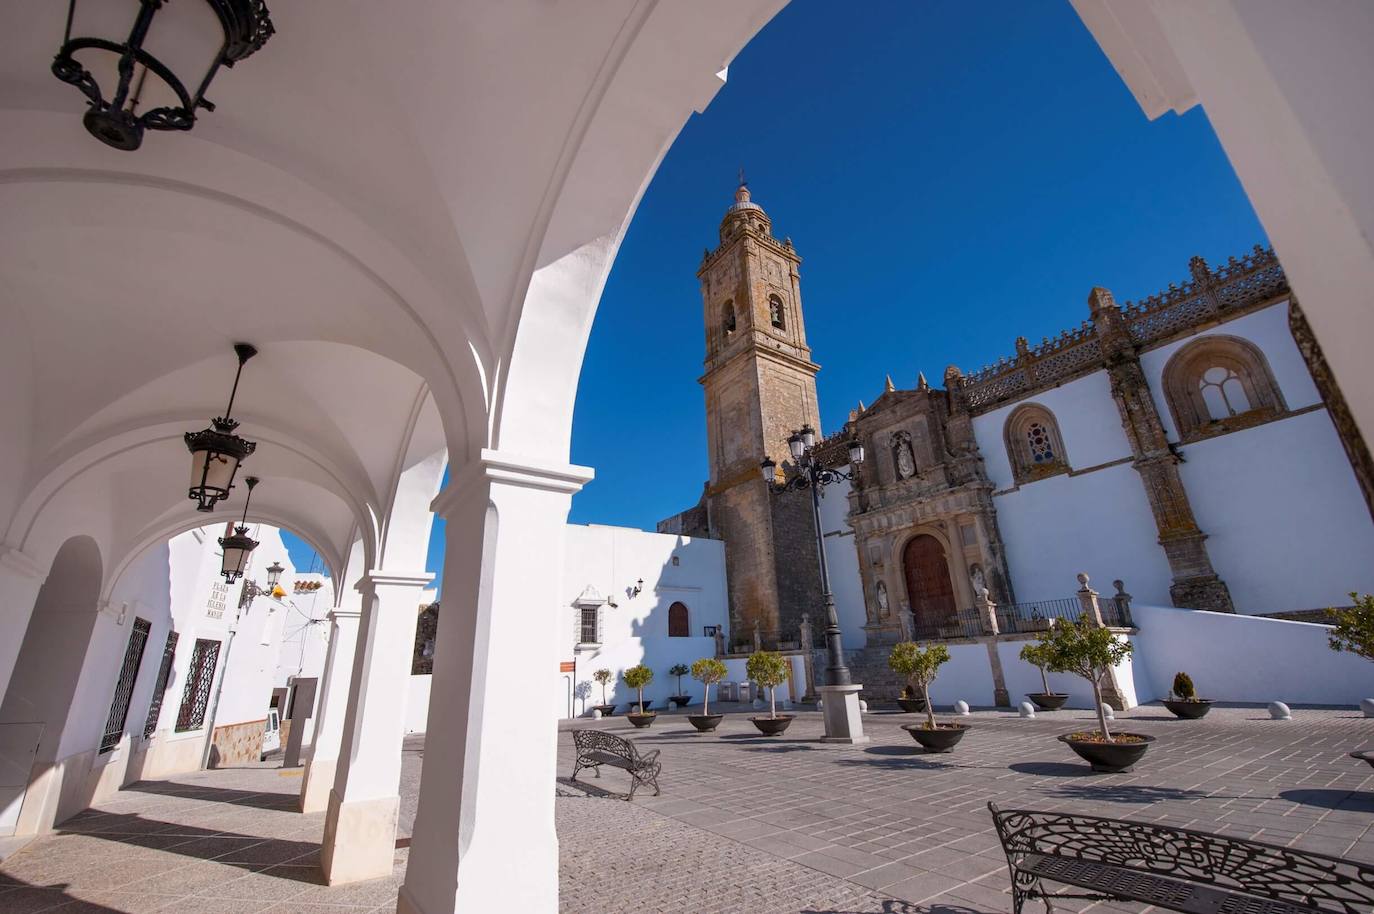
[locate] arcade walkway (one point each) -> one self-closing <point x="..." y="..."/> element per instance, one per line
<point x="781" y="826"/>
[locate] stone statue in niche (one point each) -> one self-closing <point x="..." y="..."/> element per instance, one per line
<point x="902" y="455"/>
<point x="979" y="580"/>
<point x="882" y="599"/>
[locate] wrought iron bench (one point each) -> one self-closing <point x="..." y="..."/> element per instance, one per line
<point x="596" y="748"/>
<point x="1175" y="868"/>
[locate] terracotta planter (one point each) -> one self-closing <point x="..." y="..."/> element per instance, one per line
<point x="680" y="701"/>
<point x="641" y="720"/>
<point x="706" y="723"/>
<point x="1047" y="701"/>
<point x="606" y="710"/>
<point x="942" y="739"/>
<point x="1188" y="710"/>
<point x="1110" y="757"/>
<point x="772" y="726"/>
<point x="912" y="705"/>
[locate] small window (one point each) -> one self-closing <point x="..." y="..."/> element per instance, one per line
<point x="591" y="625"/>
<point x="678" y="626"/>
<point x="775" y="313"/>
<point x="1034" y="446"/>
<point x="199" y="677"/>
<point x="676" y="561"/>
<point x="728" y="316"/>
<point x="1219" y="384"/>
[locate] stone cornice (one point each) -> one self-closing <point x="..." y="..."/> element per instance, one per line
<point x="499" y="467"/>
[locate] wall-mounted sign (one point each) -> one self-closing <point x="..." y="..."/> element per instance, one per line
<point x="219" y="595"/>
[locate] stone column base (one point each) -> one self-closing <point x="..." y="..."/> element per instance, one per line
<point x="316" y="784"/>
<point x="359" y="839"/>
<point x="1207" y="592"/>
<point x="1002" y="698"/>
<point x="843" y="722"/>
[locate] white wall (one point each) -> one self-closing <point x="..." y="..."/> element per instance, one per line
<point x="1243" y="658"/>
<point x="417" y="703"/>
<point x="1287" y="526"/>
<point x="611" y="560"/>
<point x="845" y="581"/>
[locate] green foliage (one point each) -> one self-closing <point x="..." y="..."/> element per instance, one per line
<point x="680" y="669"/>
<point x="708" y="670"/>
<point x="1036" y="654"/>
<point x="1086" y="650"/>
<point x="1354" y="629"/>
<point x="637" y="677"/>
<point x="603" y="676"/>
<point x="1183" y="687"/>
<point x="768" y="669"/>
<point x="917" y="664"/>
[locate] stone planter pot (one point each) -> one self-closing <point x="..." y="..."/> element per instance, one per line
<point x="680" y="701"/>
<point x="942" y="739"/>
<point x="606" y="710"/>
<point x="1048" y="701"/>
<point x="706" y="723"/>
<point x="635" y="706"/>
<point x="1188" y="710"/>
<point x="1110" y="757"/>
<point x="641" y="720"/>
<point x="912" y="705"/>
<point x="772" y="726"/>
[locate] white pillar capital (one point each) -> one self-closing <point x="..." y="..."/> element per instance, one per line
<point x="376" y="578"/>
<point x="498" y="468"/>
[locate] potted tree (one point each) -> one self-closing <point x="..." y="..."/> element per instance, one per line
<point x="637" y="677"/>
<point x="1036" y="655"/>
<point x="770" y="670"/>
<point x="910" y="701"/>
<point x="1089" y="651"/>
<point x="1354" y="633"/>
<point x="1183" y="700"/>
<point x="921" y="665"/>
<point x="681" y="699"/>
<point x="707" y="671"/>
<point x="604" y="677"/>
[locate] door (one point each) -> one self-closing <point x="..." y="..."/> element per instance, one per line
<point x="928" y="585"/>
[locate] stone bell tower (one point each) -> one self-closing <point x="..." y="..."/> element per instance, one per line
<point x="760" y="387"/>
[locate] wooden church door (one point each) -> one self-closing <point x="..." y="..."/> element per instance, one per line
<point x="928" y="584"/>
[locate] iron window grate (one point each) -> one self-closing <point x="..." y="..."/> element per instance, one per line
<point x="124" y="687"/>
<point x="164" y="672"/>
<point x="199" y="677"/>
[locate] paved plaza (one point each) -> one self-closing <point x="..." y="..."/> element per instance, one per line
<point x="745" y="824"/>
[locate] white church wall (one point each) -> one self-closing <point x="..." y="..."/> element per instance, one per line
<point x="610" y="560"/>
<point x="845" y="581"/>
<point x="1244" y="658"/>
<point x="417" y="703"/>
<point x="1022" y="678"/>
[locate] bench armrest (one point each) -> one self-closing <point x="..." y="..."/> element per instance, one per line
<point x="649" y="756"/>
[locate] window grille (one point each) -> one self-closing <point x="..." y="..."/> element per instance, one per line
<point x="124" y="687"/>
<point x="199" y="677"/>
<point x="164" y="672"/>
<point x="591" y="625"/>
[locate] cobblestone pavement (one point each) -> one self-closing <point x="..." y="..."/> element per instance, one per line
<point x="780" y="825"/>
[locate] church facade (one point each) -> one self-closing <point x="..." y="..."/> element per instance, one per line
<point x="1191" y="447"/>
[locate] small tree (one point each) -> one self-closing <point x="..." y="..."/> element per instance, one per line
<point x="1183" y="687"/>
<point x="603" y="677"/>
<point x="1036" y="655"/>
<point x="770" y="670"/>
<point x="920" y="666"/>
<point x="708" y="671"/>
<point x="1354" y="631"/>
<point x="1086" y="650"/>
<point x="637" y="677"/>
<point x="679" y="670"/>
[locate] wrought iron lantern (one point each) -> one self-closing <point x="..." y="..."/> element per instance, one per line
<point x="769" y="469"/>
<point x="216" y="451"/>
<point x="856" y="452"/>
<point x="146" y="64"/>
<point x="238" y="546"/>
<point x="274" y="575"/>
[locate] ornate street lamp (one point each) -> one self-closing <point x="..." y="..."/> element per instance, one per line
<point x="216" y="451"/>
<point x="251" y="590"/>
<point x="155" y="58"/>
<point x="240" y="545"/>
<point x="810" y="473"/>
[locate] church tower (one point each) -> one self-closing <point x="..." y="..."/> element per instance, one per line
<point x="760" y="387"/>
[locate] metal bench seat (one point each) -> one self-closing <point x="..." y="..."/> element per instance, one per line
<point x="596" y="748"/>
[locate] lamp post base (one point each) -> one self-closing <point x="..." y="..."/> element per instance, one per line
<point x="843" y="722"/>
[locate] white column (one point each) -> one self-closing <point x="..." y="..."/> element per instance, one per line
<point x="484" y="836"/>
<point x="320" y="769"/>
<point x="360" y="829"/>
<point x="21" y="577"/>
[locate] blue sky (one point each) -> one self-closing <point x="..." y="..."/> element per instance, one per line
<point x="953" y="175"/>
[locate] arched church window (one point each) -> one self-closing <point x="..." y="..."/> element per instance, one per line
<point x="775" y="313"/>
<point x="678" y="623"/>
<point x="1034" y="445"/>
<point x="1218" y="384"/>
<point x="728" y="316"/>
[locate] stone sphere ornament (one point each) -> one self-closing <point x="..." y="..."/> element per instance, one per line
<point x="1027" y="709"/>
<point x="961" y="708"/>
<point x="1108" y="713"/>
<point x="863" y="706"/>
<point x="596" y="713"/>
<point x="1279" y="711"/>
<point x="1367" y="706"/>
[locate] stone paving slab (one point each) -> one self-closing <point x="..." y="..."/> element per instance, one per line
<point x="781" y="825"/>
